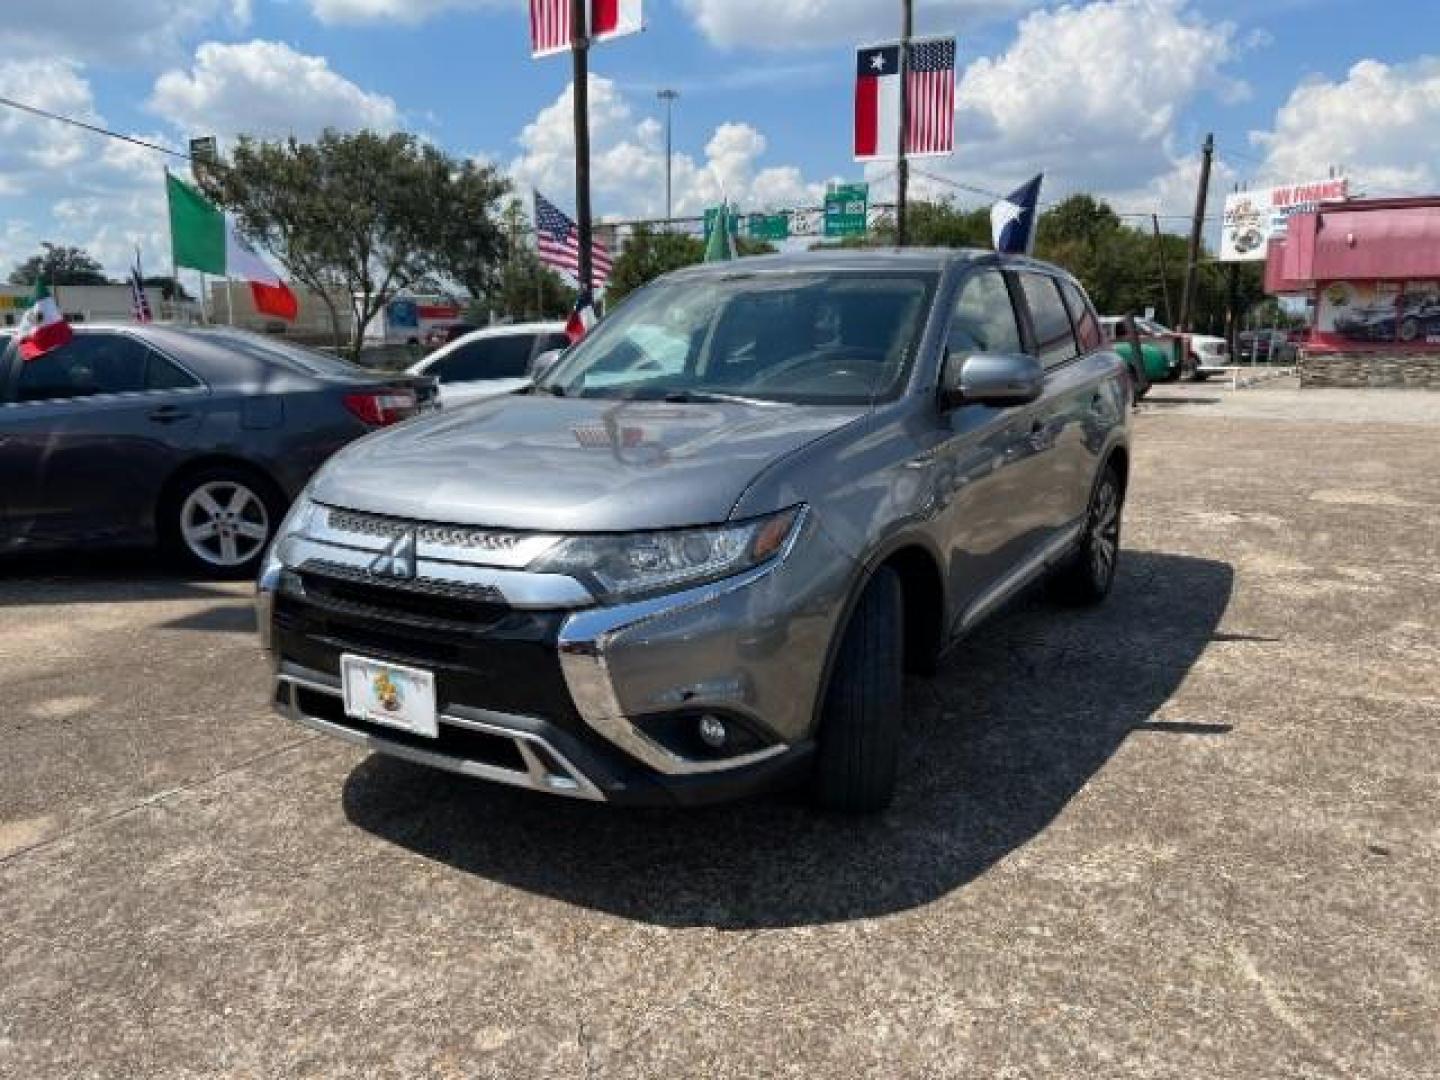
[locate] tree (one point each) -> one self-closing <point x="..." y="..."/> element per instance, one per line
<point x="526" y="291"/>
<point x="60" y="265"/>
<point x="363" y="216"/>
<point x="167" y="285"/>
<point x="647" y="256"/>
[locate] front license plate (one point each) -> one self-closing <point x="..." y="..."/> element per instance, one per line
<point x="389" y="694"/>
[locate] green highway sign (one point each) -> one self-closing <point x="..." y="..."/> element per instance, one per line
<point x="710" y="221"/>
<point x="845" y="208"/>
<point x="768" y="226"/>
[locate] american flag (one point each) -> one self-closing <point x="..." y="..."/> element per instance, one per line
<point x="549" y="26"/>
<point x="558" y="242"/>
<point x="139" y="302"/>
<point x="931" y="97"/>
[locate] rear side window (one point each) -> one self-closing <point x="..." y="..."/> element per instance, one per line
<point x="1054" y="336"/>
<point x="984" y="319"/>
<point x="489" y="358"/>
<point x="89" y="364"/>
<point x="161" y="374"/>
<point x="1087" y="327"/>
<point x="551" y="342"/>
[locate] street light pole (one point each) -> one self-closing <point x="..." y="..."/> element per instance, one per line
<point x="580" y="48"/>
<point x="669" y="97"/>
<point x="902" y="165"/>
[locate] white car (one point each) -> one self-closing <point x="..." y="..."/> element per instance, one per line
<point x="490" y="363"/>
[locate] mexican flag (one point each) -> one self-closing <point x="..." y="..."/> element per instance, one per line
<point x="43" y="327"/>
<point x="204" y="240"/>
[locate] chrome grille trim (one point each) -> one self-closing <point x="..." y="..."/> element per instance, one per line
<point x="518" y="589"/>
<point x="468" y="544"/>
<point x="538" y="774"/>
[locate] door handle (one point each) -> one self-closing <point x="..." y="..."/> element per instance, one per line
<point x="168" y="414"/>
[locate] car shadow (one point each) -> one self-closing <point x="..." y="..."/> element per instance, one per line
<point x="108" y="577"/>
<point x="1023" y="715"/>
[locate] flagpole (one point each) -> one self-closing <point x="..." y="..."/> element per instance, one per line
<point x="174" y="269"/>
<point x="580" y="51"/>
<point x="902" y="165"/>
<point x="229" y="305"/>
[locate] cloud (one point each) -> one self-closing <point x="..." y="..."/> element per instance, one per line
<point x="111" y="32"/>
<point x="628" y="162"/>
<point x="71" y="186"/>
<point x="266" y="89"/>
<point x="797" y="24"/>
<point x="1379" y="123"/>
<point x="409" y="11"/>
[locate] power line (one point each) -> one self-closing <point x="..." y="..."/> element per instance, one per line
<point x="93" y="128"/>
<point x="1050" y="204"/>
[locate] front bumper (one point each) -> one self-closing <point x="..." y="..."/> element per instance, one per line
<point x="598" y="702"/>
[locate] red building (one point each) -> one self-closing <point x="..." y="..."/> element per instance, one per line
<point x="1371" y="268"/>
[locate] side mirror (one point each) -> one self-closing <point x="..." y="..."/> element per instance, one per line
<point x="998" y="379"/>
<point x="544" y="362"/>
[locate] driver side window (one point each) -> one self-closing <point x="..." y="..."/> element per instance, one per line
<point x="984" y="319"/>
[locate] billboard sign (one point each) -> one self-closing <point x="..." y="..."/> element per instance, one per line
<point x="1254" y="218"/>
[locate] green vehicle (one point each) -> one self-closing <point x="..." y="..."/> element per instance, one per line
<point x="1160" y="356"/>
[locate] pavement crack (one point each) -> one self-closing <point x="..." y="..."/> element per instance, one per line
<point x="1277" y="1007"/>
<point x="157" y="799"/>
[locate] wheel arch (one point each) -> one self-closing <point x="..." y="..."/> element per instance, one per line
<point x="923" y="595"/>
<point x="175" y="482"/>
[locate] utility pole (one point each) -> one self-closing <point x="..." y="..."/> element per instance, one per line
<point x="669" y="97"/>
<point x="1164" y="276"/>
<point x="580" y="50"/>
<point x="1192" y="267"/>
<point x="902" y="166"/>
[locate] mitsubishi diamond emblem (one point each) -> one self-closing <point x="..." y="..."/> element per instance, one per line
<point x="398" y="559"/>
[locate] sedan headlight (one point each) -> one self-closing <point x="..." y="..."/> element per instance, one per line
<point x="631" y="565"/>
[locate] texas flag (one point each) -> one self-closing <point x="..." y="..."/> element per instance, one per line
<point x="1012" y="219"/>
<point x="877" y="103"/>
<point x="615" y="18"/>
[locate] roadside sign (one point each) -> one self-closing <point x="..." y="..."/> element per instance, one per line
<point x="710" y="221"/>
<point x="204" y="148"/>
<point x="768" y="226"/>
<point x="845" y="210"/>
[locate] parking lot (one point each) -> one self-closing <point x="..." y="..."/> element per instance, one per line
<point x="1195" y="833"/>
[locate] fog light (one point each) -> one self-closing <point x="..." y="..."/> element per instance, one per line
<point x="712" y="731"/>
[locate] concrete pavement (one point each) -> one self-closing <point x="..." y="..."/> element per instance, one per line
<point x="1192" y="834"/>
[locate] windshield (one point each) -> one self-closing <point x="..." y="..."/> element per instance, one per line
<point x="824" y="339"/>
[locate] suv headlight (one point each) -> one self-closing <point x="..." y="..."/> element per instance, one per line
<point x="296" y="523"/>
<point x="631" y="565"/>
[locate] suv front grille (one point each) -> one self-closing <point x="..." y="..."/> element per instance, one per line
<point x="419" y="603"/>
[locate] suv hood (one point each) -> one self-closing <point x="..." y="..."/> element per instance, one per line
<point x="584" y="465"/>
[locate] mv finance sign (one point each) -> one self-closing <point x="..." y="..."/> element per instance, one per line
<point x="1254" y="218"/>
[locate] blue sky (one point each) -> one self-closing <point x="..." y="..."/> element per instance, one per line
<point x="1111" y="95"/>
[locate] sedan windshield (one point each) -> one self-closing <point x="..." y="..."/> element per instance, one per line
<point x="824" y="339"/>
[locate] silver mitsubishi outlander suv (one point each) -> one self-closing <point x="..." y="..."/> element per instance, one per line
<point x="695" y="559"/>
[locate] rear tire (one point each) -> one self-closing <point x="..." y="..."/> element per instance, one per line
<point x="859" y="741"/>
<point x="1087" y="577"/>
<point x="217" y="522"/>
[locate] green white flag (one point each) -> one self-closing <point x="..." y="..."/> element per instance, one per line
<point x="203" y="240"/>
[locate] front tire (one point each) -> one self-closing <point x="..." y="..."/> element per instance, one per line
<point x="218" y="522"/>
<point x="859" y="742"/>
<point x="1088" y="576"/>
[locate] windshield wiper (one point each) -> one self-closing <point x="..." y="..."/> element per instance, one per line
<point x="705" y="397"/>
